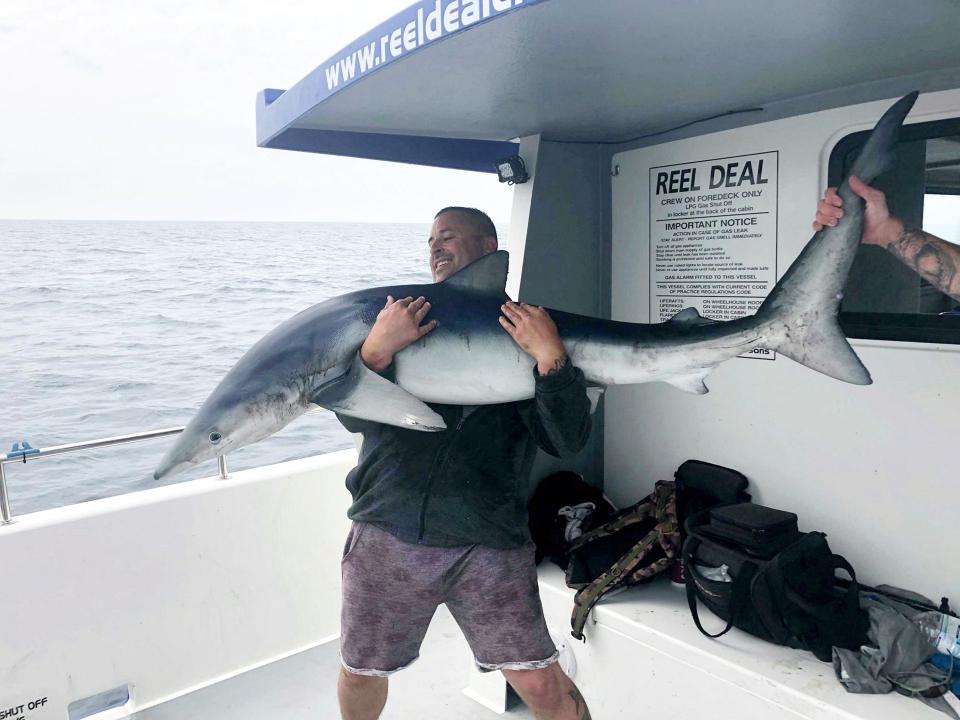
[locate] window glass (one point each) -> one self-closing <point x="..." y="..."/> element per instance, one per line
<point x="884" y="299"/>
<point x="941" y="216"/>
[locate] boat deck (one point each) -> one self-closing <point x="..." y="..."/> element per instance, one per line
<point x="303" y="687"/>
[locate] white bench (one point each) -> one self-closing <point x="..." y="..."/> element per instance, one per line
<point x="644" y="657"/>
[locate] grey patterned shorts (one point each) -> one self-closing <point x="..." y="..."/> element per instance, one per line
<point x="391" y="590"/>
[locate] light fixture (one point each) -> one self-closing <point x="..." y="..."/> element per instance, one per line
<point x="512" y="171"/>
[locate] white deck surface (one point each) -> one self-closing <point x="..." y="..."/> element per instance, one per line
<point x="303" y="687"/>
<point x="652" y="621"/>
<point x="646" y="636"/>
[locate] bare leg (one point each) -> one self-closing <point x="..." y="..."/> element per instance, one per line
<point x="549" y="693"/>
<point x="362" y="697"/>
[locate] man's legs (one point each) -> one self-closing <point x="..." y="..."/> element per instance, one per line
<point x="495" y="600"/>
<point x="391" y="590"/>
<point x="362" y="697"/>
<point x="549" y="693"/>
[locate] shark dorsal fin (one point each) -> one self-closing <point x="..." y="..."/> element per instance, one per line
<point x="488" y="275"/>
<point x="689" y="317"/>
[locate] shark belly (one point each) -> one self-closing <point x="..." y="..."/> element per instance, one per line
<point x="457" y="368"/>
<point x="663" y="357"/>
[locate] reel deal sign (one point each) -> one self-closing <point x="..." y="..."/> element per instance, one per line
<point x="713" y="237"/>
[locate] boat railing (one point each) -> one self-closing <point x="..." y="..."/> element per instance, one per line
<point x="23" y="452"/>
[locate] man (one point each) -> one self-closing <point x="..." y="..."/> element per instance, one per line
<point x="935" y="260"/>
<point x="441" y="517"/>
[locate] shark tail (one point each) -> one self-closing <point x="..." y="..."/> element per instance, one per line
<point x="879" y="153"/>
<point x="799" y="317"/>
<point x="822" y="346"/>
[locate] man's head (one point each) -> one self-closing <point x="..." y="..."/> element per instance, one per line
<point x="459" y="236"/>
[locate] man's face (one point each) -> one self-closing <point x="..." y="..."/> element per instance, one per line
<point x="455" y="242"/>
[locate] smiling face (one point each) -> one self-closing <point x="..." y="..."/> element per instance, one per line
<point x="456" y="240"/>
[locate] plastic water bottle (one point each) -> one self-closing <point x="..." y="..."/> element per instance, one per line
<point x="943" y="631"/>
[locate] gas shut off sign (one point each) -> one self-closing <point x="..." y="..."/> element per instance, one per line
<point x="713" y="237"/>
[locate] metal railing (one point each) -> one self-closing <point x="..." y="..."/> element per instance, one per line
<point x="22" y="453"/>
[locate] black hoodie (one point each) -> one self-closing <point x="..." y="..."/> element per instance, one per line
<point x="467" y="484"/>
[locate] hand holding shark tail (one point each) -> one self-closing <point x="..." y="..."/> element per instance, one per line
<point x="801" y="311"/>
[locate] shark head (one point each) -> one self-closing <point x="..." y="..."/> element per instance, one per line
<point x="227" y="421"/>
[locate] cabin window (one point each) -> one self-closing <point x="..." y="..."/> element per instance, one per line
<point x="884" y="299"/>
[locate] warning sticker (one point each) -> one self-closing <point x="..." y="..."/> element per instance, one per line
<point x="713" y="237"/>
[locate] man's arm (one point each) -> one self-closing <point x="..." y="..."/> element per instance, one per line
<point x="934" y="259"/>
<point x="560" y="417"/>
<point x="398" y="324"/>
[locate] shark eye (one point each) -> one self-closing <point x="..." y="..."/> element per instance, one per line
<point x="215" y="437"/>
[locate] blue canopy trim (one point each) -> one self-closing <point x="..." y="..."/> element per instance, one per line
<point x="457" y="154"/>
<point x="409" y="31"/>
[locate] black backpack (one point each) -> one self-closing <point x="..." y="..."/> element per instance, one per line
<point x="751" y="566"/>
<point x="632" y="547"/>
<point x="563" y="507"/>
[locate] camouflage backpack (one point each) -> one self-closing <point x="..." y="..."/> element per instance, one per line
<point x="632" y="547"/>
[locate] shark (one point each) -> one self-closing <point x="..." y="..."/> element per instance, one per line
<point x="312" y="359"/>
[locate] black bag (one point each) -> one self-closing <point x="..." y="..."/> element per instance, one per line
<point x="701" y="485"/>
<point x="758" y="530"/>
<point x="632" y="547"/>
<point x="754" y="570"/>
<point x="563" y="507"/>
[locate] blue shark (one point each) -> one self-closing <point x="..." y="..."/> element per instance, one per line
<point x="312" y="359"/>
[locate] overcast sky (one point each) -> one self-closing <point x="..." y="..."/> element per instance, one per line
<point x="144" y="110"/>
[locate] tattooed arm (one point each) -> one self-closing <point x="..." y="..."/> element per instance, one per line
<point x="936" y="261"/>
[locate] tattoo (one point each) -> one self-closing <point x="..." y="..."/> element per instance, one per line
<point x="557" y="365"/>
<point x="580" y="704"/>
<point x="935" y="260"/>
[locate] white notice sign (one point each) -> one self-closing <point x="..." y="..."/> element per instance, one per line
<point x="713" y="237"/>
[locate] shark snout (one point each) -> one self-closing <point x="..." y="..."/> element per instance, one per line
<point x="170" y="466"/>
<point x="190" y="448"/>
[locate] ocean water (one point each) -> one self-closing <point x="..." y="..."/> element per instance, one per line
<point x="108" y="328"/>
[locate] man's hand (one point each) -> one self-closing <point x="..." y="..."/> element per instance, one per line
<point x="879" y="227"/>
<point x="397" y="325"/>
<point x="534" y="331"/>
<point x="934" y="259"/>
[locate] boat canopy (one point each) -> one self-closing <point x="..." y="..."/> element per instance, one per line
<point x="451" y="83"/>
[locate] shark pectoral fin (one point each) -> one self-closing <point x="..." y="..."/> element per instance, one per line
<point x="593" y="395"/>
<point x="361" y="393"/>
<point x="692" y="383"/>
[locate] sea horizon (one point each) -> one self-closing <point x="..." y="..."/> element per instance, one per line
<point x="120" y="326"/>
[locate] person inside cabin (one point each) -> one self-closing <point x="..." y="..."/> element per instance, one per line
<point x="934" y="259"/>
<point x="441" y="517"/>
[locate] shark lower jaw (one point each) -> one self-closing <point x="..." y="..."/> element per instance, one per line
<point x="179" y="459"/>
<point x="168" y="469"/>
<point x="189" y="451"/>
